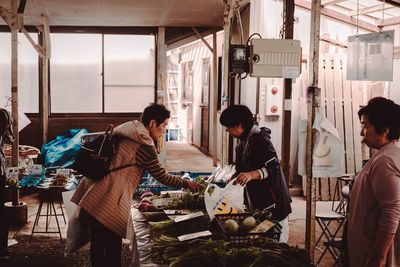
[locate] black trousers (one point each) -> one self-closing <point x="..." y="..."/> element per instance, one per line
<point x="4" y="224"/>
<point x="105" y="246"/>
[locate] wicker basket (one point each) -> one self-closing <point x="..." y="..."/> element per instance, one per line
<point x="241" y="238"/>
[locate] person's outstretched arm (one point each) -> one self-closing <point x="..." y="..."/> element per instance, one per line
<point x="146" y="157"/>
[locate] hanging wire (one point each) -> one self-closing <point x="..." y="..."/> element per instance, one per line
<point x="358" y="10"/>
<point x="254" y="34"/>
<point x="8" y="101"/>
<point x="283" y="27"/>
<point x="239" y="20"/>
<point x="383" y="16"/>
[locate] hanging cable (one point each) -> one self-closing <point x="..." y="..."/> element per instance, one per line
<point x="239" y="19"/>
<point x="383" y="15"/>
<point x="358" y="11"/>
<point x="239" y="76"/>
<point x="283" y="27"/>
<point x="256" y="33"/>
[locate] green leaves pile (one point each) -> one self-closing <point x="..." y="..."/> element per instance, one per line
<point x="200" y="253"/>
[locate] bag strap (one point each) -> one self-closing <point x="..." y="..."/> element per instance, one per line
<point x="121" y="167"/>
<point x="107" y="134"/>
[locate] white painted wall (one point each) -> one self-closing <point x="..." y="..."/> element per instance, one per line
<point x="196" y="52"/>
<point x="266" y="19"/>
<point x="394" y="86"/>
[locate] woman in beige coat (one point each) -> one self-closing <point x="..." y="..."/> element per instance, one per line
<point x="108" y="201"/>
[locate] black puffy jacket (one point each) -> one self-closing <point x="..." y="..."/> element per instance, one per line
<point x="254" y="149"/>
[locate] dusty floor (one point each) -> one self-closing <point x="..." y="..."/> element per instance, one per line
<point x="47" y="250"/>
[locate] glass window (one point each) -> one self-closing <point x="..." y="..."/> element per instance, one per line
<point x="28" y="87"/>
<point x="206" y="81"/>
<point x="187" y="95"/>
<point x="75" y="73"/>
<point x="129" y="69"/>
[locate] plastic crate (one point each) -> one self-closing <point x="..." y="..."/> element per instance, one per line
<point x="148" y="183"/>
<point x="244" y="239"/>
<point x="155" y="188"/>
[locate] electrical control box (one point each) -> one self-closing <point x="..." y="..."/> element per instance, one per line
<point x="238" y="59"/>
<point x="275" y="58"/>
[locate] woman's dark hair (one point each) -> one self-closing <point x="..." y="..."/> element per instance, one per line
<point x="155" y="112"/>
<point x="5" y="120"/>
<point x="6" y="130"/>
<point x="383" y="114"/>
<point x="237" y="114"/>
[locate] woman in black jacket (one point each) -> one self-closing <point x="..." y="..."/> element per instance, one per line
<point x="6" y="134"/>
<point x="257" y="165"/>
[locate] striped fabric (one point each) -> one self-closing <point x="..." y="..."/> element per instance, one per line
<point x="109" y="200"/>
<point x="263" y="173"/>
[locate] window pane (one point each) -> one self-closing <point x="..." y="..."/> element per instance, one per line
<point x="75" y="73"/>
<point x="187" y="95"/>
<point x="28" y="88"/>
<point x="129" y="68"/>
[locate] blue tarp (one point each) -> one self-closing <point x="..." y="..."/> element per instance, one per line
<point x="63" y="149"/>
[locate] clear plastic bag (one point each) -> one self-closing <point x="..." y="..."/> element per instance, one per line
<point x="222" y="174"/>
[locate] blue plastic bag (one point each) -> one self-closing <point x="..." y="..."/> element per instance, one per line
<point x="63" y="149"/>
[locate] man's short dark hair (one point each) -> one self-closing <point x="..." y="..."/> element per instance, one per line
<point x="155" y="112"/>
<point x="235" y="115"/>
<point x="383" y="114"/>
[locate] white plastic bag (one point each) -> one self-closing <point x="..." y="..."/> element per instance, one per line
<point x="225" y="200"/>
<point x="78" y="233"/>
<point x="23" y="120"/>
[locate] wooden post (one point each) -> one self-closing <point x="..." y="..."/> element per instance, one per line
<point x="228" y="14"/>
<point x="44" y="90"/>
<point x="288" y="6"/>
<point x="313" y="101"/>
<point x="215" y="99"/>
<point x="14" y="85"/>
<point x="14" y="95"/>
<point x="161" y="66"/>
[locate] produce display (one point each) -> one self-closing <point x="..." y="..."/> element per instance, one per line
<point x="146" y="204"/>
<point x="59" y="181"/>
<point x="189" y="200"/>
<point x="243" y="239"/>
<point x="199" y="253"/>
<point x="169" y="227"/>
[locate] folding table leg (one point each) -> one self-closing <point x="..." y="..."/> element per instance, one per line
<point x="36" y="219"/>
<point x="58" y="225"/>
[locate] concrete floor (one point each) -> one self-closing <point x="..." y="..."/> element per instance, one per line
<point x="179" y="157"/>
<point x="184" y="157"/>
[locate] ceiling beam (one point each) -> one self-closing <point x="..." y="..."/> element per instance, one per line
<point x="330" y="2"/>
<point x="388" y="22"/>
<point x="395" y="3"/>
<point x="202" y="38"/>
<point x="339" y="16"/>
<point x="370" y="9"/>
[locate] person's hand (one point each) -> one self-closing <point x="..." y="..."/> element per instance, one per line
<point x="230" y="179"/>
<point x="244" y="177"/>
<point x="194" y="186"/>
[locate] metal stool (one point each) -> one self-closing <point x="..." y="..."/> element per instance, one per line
<point x="49" y="196"/>
<point x="342" y="191"/>
<point x="328" y="236"/>
<point x="343" y="203"/>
